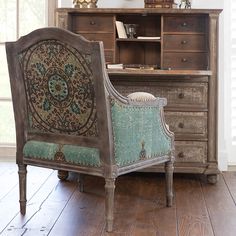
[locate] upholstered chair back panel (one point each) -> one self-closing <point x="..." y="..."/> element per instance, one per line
<point x="59" y="89"/>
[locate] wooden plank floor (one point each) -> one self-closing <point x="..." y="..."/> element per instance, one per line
<point x="57" y="208"/>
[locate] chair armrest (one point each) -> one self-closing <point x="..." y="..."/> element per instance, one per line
<point x="139" y="131"/>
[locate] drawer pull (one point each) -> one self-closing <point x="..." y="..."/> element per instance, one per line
<point x="180" y="155"/>
<point x="92" y="22"/>
<point x="184" y="24"/>
<point x="181" y="125"/>
<point x="184" y="60"/>
<point x="181" y="95"/>
<point x="183" y="42"/>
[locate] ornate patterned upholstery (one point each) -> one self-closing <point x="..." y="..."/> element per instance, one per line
<point x="59" y="89"/>
<point x="83" y="156"/>
<point x="69" y="117"/>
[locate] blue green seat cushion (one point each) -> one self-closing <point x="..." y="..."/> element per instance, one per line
<point x="62" y="153"/>
<point x="138" y="133"/>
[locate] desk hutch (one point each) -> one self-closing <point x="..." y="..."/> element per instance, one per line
<point x="181" y="65"/>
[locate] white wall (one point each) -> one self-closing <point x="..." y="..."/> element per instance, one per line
<point x="208" y="4"/>
<point x="108" y="3"/>
<point x="121" y="3"/>
<point x="224" y="120"/>
<point x="140" y="3"/>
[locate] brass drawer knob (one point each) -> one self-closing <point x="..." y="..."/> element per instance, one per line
<point x="183" y="42"/>
<point x="92" y="22"/>
<point x="180" y="155"/>
<point x="184" y="60"/>
<point x="184" y="24"/>
<point x="181" y="125"/>
<point x="181" y="95"/>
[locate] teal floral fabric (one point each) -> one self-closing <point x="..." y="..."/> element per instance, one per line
<point x="59" y="89"/>
<point x="138" y="133"/>
<point x="62" y="153"/>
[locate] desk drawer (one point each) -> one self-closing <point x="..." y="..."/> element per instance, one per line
<point x="185" y="42"/>
<point x="92" y="23"/>
<point x="184" y="24"/>
<point x="190" y="151"/>
<point x="179" y="95"/>
<point x="193" y="61"/>
<point x="187" y="124"/>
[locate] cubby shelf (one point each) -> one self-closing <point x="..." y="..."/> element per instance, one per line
<point x="139" y="40"/>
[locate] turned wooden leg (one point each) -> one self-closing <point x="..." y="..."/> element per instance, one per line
<point x="169" y="168"/>
<point x="109" y="203"/>
<point x="81" y="183"/>
<point x="22" y="187"/>
<point x="62" y="174"/>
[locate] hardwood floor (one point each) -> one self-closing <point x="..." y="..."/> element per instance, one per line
<point x="57" y="208"/>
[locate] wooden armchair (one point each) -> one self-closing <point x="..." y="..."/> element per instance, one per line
<point x="69" y="117"/>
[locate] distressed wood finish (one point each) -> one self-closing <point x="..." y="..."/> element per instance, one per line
<point x="213" y="96"/>
<point x="68" y="44"/>
<point x="59" y="208"/>
<point x="192" y="212"/>
<point x="191" y="124"/>
<point x="222" y="213"/>
<point x="188" y="46"/>
<point x="191" y="152"/>
<point x="179" y="92"/>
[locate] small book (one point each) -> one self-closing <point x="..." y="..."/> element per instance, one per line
<point x="148" y="37"/>
<point x="121" y="30"/>
<point x="155" y="1"/>
<point x="140" y="67"/>
<point x="115" y="66"/>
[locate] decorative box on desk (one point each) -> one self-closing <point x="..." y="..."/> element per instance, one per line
<point x="182" y="44"/>
<point x="158" y="3"/>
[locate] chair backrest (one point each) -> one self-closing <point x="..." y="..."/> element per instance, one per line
<point x="57" y="79"/>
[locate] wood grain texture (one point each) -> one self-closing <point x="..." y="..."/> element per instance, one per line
<point x="7" y="171"/>
<point x="58" y="208"/>
<point x="192" y="214"/>
<point x="84" y="213"/>
<point x="230" y="180"/>
<point x="221" y="207"/>
<point x="9" y="204"/>
<point x="137" y="11"/>
<point x="44" y="208"/>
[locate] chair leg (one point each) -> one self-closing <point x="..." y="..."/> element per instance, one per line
<point x="169" y="168"/>
<point x="81" y="183"/>
<point x="109" y="203"/>
<point x="22" y="172"/>
<point x="62" y="174"/>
